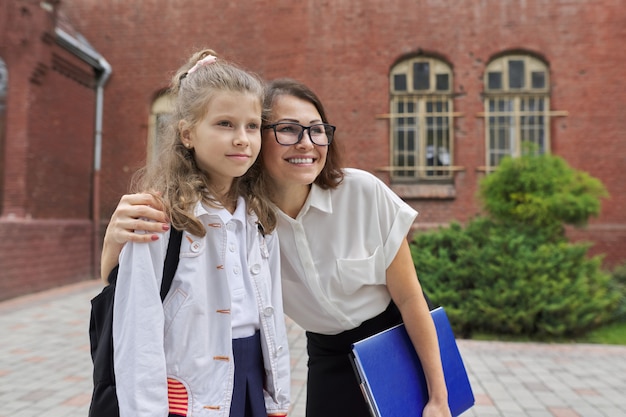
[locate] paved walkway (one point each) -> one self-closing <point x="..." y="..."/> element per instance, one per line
<point x="45" y="367"/>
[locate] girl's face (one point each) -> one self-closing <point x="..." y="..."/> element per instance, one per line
<point x="293" y="165"/>
<point x="227" y="140"/>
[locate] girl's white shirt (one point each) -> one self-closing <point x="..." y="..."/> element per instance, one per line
<point x="335" y="253"/>
<point x="188" y="337"/>
<point x="244" y="311"/>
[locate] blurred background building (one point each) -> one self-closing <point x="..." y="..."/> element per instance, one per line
<point x="427" y="94"/>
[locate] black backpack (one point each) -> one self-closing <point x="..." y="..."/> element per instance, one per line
<point x="104" y="398"/>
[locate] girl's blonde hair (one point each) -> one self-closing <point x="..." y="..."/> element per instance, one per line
<point x="173" y="175"/>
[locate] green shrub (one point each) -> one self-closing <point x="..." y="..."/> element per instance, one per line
<point x="541" y="191"/>
<point x="618" y="285"/>
<point x="498" y="279"/>
<point x="514" y="272"/>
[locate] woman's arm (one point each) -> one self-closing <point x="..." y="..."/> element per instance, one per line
<point x="406" y="292"/>
<point x="133" y="212"/>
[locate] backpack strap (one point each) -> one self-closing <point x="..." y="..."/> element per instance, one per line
<point x="171" y="261"/>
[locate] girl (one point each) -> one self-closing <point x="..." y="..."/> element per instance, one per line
<point x="347" y="270"/>
<point x="217" y="345"/>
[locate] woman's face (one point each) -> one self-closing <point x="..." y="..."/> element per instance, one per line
<point x="293" y="165"/>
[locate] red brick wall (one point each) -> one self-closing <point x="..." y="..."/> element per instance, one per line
<point x="40" y="254"/>
<point x="45" y="224"/>
<point x="61" y="144"/>
<point x="345" y="49"/>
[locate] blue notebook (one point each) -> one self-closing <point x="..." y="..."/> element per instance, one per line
<point x="392" y="378"/>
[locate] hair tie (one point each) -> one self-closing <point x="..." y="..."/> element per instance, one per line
<point x="207" y="60"/>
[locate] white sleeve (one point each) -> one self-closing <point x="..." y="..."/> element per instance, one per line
<point x="139" y="358"/>
<point x="396" y="219"/>
<point x="281" y="403"/>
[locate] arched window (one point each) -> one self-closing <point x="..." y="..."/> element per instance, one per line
<point x="517" y="103"/>
<point x="421" y="120"/>
<point x="161" y="110"/>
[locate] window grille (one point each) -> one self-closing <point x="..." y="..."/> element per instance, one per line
<point x="421" y="120"/>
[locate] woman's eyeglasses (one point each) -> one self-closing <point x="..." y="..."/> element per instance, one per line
<point x="289" y="133"/>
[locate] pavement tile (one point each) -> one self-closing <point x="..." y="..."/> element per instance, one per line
<point x="563" y="412"/>
<point x="45" y="366"/>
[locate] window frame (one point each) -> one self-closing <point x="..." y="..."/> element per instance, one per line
<point x="162" y="106"/>
<point x="527" y="109"/>
<point x="415" y="168"/>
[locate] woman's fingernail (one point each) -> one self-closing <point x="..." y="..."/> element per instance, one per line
<point x="154" y="237"/>
<point x="166" y="227"/>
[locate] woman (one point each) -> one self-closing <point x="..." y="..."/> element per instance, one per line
<point x="347" y="270"/>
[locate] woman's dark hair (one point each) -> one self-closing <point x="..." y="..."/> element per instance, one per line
<point x="332" y="174"/>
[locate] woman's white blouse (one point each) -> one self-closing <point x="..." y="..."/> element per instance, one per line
<point x="335" y="253"/>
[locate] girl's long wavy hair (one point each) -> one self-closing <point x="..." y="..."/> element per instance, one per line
<point x="173" y="175"/>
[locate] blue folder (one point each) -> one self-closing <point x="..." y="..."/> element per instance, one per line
<point x="392" y="378"/>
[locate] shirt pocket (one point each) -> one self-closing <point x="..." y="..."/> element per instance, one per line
<point x="357" y="273"/>
<point x="172" y="305"/>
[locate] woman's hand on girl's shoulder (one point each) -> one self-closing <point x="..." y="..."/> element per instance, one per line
<point x="136" y="212"/>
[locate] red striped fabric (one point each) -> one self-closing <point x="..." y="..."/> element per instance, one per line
<point x="177" y="397"/>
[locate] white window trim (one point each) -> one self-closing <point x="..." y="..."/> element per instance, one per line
<point x="162" y="105"/>
<point x="531" y="64"/>
<point x="419" y="98"/>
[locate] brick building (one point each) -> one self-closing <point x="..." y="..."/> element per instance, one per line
<point x="429" y="95"/>
<point x="50" y="79"/>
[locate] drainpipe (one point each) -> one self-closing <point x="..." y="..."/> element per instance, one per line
<point x="89" y="55"/>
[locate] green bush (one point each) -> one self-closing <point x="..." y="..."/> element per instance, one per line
<point x="498" y="279"/>
<point x="541" y="191"/>
<point x="514" y="272"/>
<point x="618" y="285"/>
